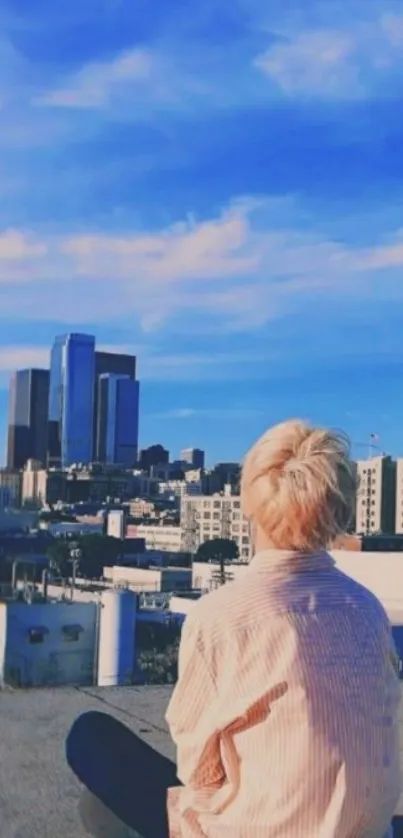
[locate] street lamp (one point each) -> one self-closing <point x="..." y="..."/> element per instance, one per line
<point x="75" y="556"/>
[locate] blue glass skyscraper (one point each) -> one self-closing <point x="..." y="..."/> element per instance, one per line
<point x="118" y="420"/>
<point x="71" y="400"/>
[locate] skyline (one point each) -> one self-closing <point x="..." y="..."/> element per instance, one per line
<point x="217" y="192"/>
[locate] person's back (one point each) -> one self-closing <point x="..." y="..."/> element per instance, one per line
<point x="285" y="711"/>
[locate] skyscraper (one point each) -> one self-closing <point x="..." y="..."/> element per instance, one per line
<point x="193" y="456"/>
<point x="112" y="363"/>
<point x="118" y="419"/>
<point x="71" y="400"/>
<point x="27" y="423"/>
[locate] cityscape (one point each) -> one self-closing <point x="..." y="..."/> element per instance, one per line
<point x="200" y="237"/>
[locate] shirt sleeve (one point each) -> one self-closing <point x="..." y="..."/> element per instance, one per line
<point x="191" y="715"/>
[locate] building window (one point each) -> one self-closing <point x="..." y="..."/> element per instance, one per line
<point x="36" y="634"/>
<point x="245" y="539"/>
<point x="71" y="634"/>
<point x="235" y="516"/>
<point x="206" y="515"/>
<point x="217" y="504"/>
<point x="245" y="553"/>
<point x="216" y="516"/>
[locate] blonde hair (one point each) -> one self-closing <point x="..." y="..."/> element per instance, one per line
<point x="299" y="485"/>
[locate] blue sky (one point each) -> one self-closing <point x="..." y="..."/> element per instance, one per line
<point x="219" y="188"/>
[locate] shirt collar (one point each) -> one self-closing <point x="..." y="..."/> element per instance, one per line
<point x="290" y="561"/>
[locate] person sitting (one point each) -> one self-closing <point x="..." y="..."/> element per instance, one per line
<point x="285" y="710"/>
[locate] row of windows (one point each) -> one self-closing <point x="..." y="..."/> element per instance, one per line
<point x="70" y="634"/>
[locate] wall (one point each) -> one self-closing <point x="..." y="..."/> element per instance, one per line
<point x="149" y="579"/>
<point x="181" y="606"/>
<point x="203" y="572"/>
<point x="176" y="579"/>
<point x="56" y="660"/>
<point x="381" y="573"/>
<point x="158" y="537"/>
<point x="134" y="577"/>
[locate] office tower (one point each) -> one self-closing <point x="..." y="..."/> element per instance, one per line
<point x="27" y="423"/>
<point x="376" y="496"/>
<point x="118" y="420"/>
<point x="71" y="400"/>
<point x="112" y="363"/>
<point x="193" y="456"/>
<point x="154" y="455"/>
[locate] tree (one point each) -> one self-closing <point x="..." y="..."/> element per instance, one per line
<point x="220" y="550"/>
<point x="97" y="551"/>
<point x="58" y="555"/>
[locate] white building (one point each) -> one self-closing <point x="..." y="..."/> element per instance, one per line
<point x="78" y="643"/>
<point x="47" y="643"/>
<point x="214" y="516"/>
<point x="34" y="484"/>
<point x="150" y="579"/>
<point x="116" y="525"/>
<point x="376" y="496"/>
<point x="159" y="537"/>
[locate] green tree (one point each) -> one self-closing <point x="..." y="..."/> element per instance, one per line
<point x="97" y="552"/>
<point x="220" y="550"/>
<point x="58" y="555"/>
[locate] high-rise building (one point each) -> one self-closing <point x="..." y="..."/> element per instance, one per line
<point x="71" y="400"/>
<point x="154" y="455"/>
<point x="193" y="456"/>
<point x="376" y="496"/>
<point x="118" y="420"/>
<point x="112" y="363"/>
<point x="27" y="422"/>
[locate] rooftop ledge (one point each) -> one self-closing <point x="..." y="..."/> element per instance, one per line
<point x="40" y="797"/>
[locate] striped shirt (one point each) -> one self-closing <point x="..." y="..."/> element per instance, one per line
<point x="285" y="710"/>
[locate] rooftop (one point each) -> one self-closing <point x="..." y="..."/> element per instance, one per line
<point x="39" y="797"/>
<point x="38" y="792"/>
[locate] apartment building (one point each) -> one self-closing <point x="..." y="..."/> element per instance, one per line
<point x="376" y="496"/>
<point x="217" y="516"/>
<point x="399" y="497"/>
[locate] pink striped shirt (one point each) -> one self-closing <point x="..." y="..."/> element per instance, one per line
<point x="285" y="710"/>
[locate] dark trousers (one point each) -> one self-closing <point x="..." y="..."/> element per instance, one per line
<point x="125" y="779"/>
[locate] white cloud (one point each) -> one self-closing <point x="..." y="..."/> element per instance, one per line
<point x="16" y="246"/>
<point x="335" y="63"/>
<point x="132" y="81"/>
<point x="21" y="357"/>
<point x="235" y="271"/>
<point x="96" y="84"/>
<point x="225" y="413"/>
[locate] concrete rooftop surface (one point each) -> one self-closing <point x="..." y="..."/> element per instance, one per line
<point x="38" y="792"/>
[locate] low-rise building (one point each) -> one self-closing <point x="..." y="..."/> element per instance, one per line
<point x="11" y="486"/>
<point x="158" y="536"/>
<point x="150" y="579"/>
